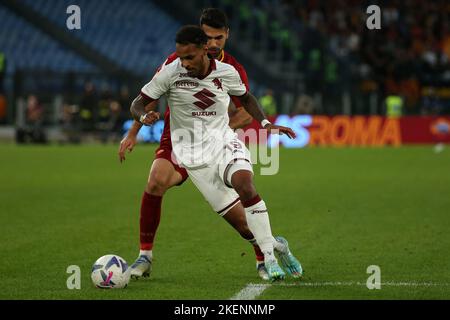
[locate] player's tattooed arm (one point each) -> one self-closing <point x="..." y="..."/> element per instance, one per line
<point x="136" y="126"/>
<point x="142" y="110"/>
<point x="252" y="106"/>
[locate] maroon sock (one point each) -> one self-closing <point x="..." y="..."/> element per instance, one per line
<point x="251" y="202"/>
<point x="149" y="219"/>
<point x="258" y="253"/>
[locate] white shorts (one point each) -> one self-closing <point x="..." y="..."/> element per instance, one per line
<point x="214" y="182"/>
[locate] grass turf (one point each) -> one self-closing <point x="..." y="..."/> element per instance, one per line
<point x="341" y="210"/>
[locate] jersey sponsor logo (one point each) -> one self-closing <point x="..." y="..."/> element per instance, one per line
<point x="203" y="113"/>
<point x="186" y="84"/>
<point x="184" y="75"/>
<point x="204" y="99"/>
<point x="217" y="83"/>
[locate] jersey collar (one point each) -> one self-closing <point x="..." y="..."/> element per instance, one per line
<point x="212" y="66"/>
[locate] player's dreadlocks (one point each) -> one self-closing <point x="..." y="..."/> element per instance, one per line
<point x="191" y="34"/>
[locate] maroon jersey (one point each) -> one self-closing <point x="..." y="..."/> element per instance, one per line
<point x="229" y="59"/>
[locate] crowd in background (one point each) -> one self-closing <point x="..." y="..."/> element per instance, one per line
<point x="336" y="52"/>
<point x="2" y="90"/>
<point x="406" y="61"/>
<point x="99" y="113"/>
<point x="409" y="56"/>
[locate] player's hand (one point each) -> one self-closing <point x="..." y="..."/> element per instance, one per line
<point x="150" y="118"/>
<point x="272" y="128"/>
<point x="127" y="143"/>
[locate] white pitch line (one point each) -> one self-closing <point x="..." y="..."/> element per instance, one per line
<point x="356" y="283"/>
<point x="252" y="290"/>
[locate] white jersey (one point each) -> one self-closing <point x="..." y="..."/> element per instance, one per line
<point x="198" y="109"/>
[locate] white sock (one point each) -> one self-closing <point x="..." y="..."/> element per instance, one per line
<point x="147" y="253"/>
<point x="259" y="224"/>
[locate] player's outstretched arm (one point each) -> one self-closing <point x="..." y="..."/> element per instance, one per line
<point x="130" y="139"/>
<point x="251" y="105"/>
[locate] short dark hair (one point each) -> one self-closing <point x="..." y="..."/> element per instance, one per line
<point x="215" y="18"/>
<point x="191" y="34"/>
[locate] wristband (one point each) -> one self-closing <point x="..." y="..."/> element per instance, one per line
<point x="265" y="122"/>
<point x="142" y="118"/>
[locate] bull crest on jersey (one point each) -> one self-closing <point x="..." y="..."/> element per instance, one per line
<point x="204" y="97"/>
<point x="217" y="83"/>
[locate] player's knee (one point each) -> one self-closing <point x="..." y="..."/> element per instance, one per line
<point x="242" y="182"/>
<point x="246" y="190"/>
<point x="158" y="183"/>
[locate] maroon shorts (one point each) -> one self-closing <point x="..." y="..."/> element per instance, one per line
<point x="164" y="151"/>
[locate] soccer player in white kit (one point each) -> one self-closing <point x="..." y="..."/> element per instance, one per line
<point x="198" y="89"/>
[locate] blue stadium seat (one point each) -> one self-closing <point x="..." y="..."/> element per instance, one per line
<point x="135" y="34"/>
<point x="26" y="47"/>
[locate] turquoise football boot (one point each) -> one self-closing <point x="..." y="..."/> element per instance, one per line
<point x="262" y="271"/>
<point x="287" y="259"/>
<point x="274" y="270"/>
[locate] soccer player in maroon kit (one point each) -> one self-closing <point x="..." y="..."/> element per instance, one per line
<point x="165" y="173"/>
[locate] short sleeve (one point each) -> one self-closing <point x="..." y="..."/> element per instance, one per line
<point x="235" y="85"/>
<point x="243" y="74"/>
<point x="158" y="86"/>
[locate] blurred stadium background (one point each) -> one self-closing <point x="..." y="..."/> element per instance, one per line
<point x="303" y="57"/>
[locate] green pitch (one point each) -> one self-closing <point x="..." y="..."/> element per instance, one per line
<point x="341" y="209"/>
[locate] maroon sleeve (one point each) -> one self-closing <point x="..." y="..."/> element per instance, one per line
<point x="243" y="74"/>
<point x="147" y="97"/>
<point x="240" y="69"/>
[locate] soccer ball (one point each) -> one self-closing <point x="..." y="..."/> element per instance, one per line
<point x="110" y="271"/>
